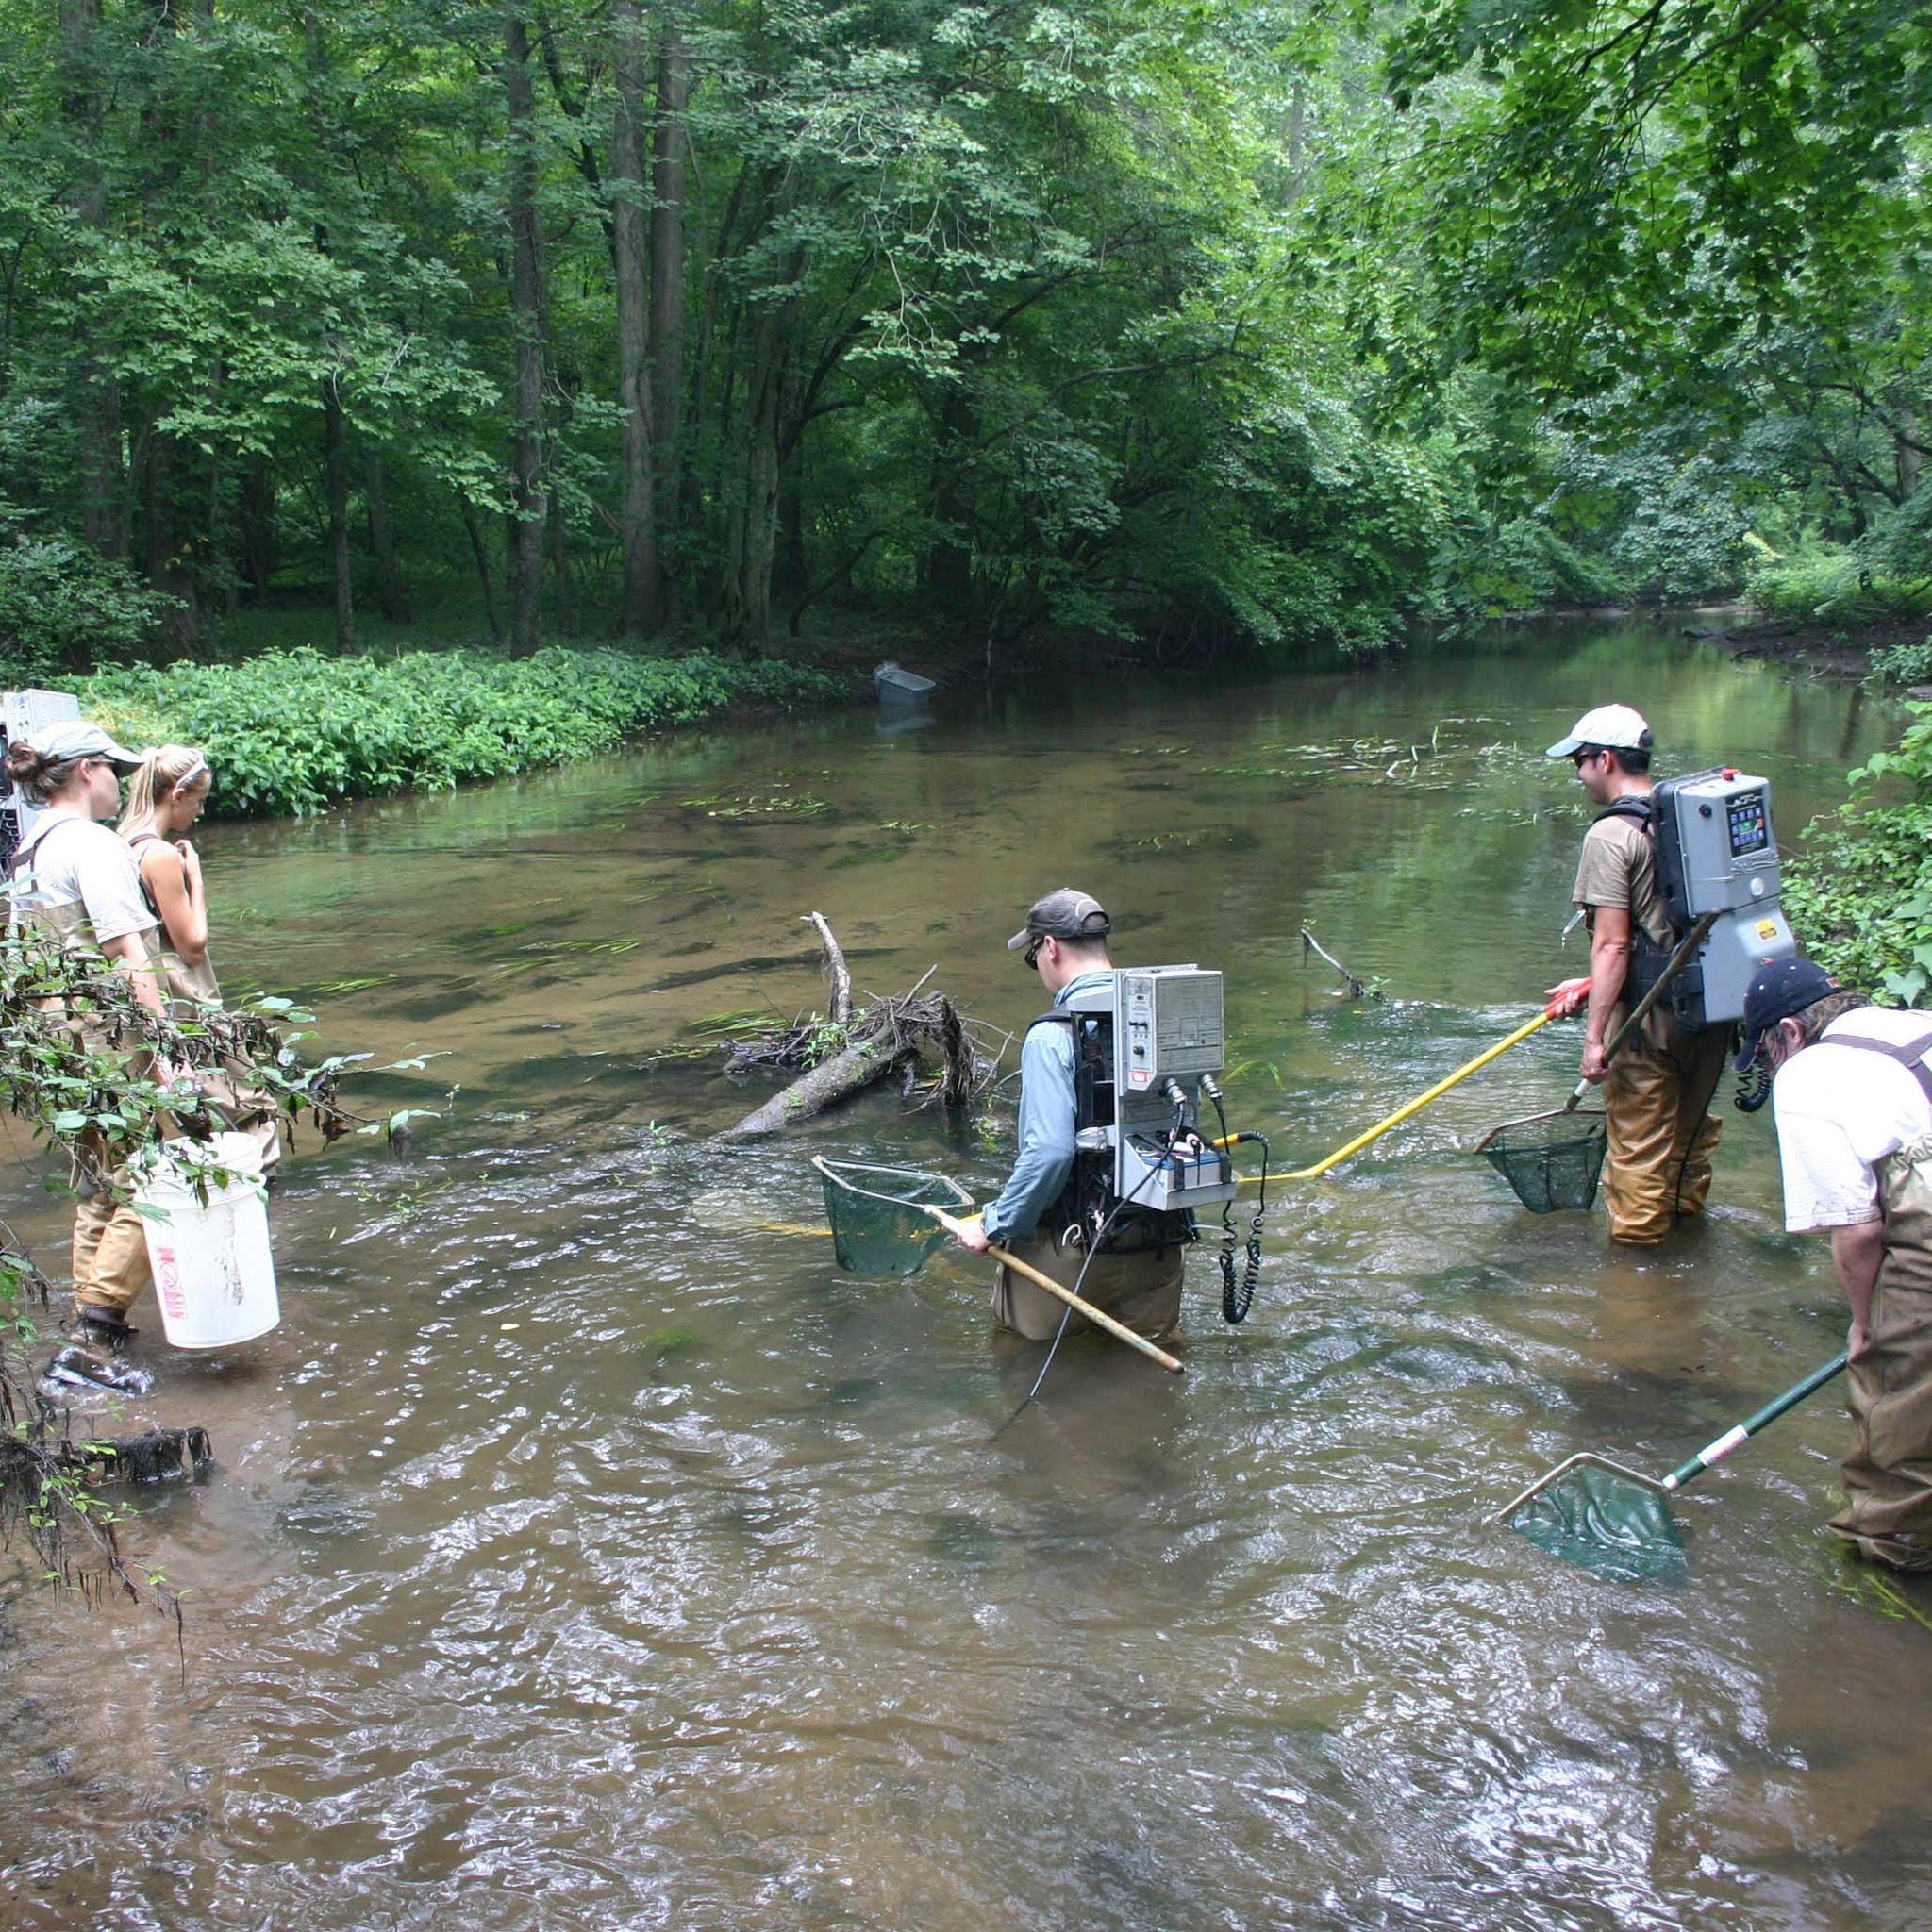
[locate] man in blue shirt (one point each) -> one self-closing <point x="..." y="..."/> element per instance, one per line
<point x="1039" y="1215"/>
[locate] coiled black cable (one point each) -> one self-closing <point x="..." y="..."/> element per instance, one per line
<point x="1237" y="1298"/>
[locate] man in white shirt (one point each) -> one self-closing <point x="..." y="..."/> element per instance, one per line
<point x="1852" y="1096"/>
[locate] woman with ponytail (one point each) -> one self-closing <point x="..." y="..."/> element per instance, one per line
<point x="165" y="796"/>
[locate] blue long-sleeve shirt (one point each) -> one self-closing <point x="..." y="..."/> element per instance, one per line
<point x="1046" y="1124"/>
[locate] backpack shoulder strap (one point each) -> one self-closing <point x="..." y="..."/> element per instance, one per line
<point x="1639" y="811"/>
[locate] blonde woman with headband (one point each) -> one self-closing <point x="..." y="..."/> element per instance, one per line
<point x="166" y="794"/>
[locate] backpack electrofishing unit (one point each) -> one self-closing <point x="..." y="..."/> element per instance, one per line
<point x="1148" y="1041"/>
<point x="1716" y="853"/>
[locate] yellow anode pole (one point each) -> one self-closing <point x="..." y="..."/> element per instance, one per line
<point x="1401" y="1113"/>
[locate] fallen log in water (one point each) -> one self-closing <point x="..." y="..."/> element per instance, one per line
<point x="833" y="1080"/>
<point x="886" y="1034"/>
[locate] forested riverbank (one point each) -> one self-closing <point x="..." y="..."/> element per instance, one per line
<point x="1256" y="326"/>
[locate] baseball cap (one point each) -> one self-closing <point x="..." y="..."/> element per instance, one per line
<point x="74" y="738"/>
<point x="1610" y="727"/>
<point x="1776" y="992"/>
<point x="1063" y="914"/>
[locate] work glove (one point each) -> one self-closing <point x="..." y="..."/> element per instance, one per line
<point x="1571" y="996"/>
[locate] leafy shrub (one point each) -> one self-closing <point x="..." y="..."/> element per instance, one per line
<point x="1903" y="663"/>
<point x="1860" y="899"/>
<point x="294" y="731"/>
<point x="62" y="604"/>
<point x="1827" y="585"/>
<point x="1525" y="566"/>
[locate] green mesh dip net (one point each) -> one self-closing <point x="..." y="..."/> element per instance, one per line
<point x="1599" y="1518"/>
<point x="877" y="1223"/>
<point x="1552" y="1160"/>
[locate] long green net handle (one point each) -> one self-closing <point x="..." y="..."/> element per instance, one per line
<point x="1716" y="1450"/>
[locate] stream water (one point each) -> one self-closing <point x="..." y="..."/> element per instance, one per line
<point x="577" y="1558"/>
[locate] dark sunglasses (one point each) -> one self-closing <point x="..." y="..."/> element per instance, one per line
<point x="1580" y="758"/>
<point x="1031" y="956"/>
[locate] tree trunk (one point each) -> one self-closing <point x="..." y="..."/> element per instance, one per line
<point x="97" y="398"/>
<point x="638" y="613"/>
<point x="558" y="527"/>
<point x="389" y="599"/>
<point x="526" y="306"/>
<point x="949" y="563"/>
<point x="480" y="551"/>
<point x="256" y="534"/>
<point x="336" y="469"/>
<point x="752" y="530"/>
<point x="666" y="284"/>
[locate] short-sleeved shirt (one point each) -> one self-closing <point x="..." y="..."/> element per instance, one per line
<point x="1618" y="868"/>
<point x="1841" y="1110"/>
<point x="74" y="861"/>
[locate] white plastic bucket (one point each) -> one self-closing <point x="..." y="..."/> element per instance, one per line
<point x="214" y="1273"/>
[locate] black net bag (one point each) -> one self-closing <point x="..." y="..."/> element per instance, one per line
<point x="1553" y="1161"/>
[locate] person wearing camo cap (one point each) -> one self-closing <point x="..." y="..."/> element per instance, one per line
<point x="1049" y="1213"/>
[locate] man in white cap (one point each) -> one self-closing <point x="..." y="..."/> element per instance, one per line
<point x="1853" y="1099"/>
<point x="1658" y="1088"/>
<point x="1052" y="1210"/>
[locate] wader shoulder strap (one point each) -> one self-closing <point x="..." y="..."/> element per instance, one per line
<point x="1060" y="1016"/>
<point x="1908" y="1054"/>
<point x="23" y="852"/>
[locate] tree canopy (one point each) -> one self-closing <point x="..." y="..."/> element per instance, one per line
<point x="1263" y="323"/>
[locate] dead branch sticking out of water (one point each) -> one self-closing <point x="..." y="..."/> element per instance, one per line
<point x="1357" y="989"/>
<point x="837" y="973"/>
<point x="900" y="1031"/>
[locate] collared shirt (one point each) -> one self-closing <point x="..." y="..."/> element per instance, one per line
<point x="1046" y="1123"/>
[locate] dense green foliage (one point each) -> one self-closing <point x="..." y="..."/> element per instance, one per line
<point x="1861" y="901"/>
<point x="292" y="731"/>
<point x="1272" y="322"/>
<point x="1277" y="323"/>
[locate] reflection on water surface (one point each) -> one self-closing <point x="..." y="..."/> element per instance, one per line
<point x="575" y="1561"/>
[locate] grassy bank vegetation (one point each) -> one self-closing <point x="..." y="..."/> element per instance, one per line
<point x="295" y="731"/>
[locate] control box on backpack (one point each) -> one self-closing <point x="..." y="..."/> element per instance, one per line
<point x="1716" y="852"/>
<point x="1156" y="1031"/>
<point x="23" y="712"/>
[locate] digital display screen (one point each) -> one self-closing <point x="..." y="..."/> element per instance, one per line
<point x="1750" y="824"/>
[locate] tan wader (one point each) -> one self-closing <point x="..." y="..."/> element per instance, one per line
<point x="1656" y="1108"/>
<point x="1143" y="1289"/>
<point x="110" y="1264"/>
<point x="1887" y="1512"/>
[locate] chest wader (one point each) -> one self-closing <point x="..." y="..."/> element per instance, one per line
<point x="1657" y="1096"/>
<point x="109" y="1259"/>
<point x="1888" y="1475"/>
<point x="237" y="1099"/>
<point x="1137" y="1272"/>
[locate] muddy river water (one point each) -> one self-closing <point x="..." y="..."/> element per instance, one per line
<point x="576" y="1557"/>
